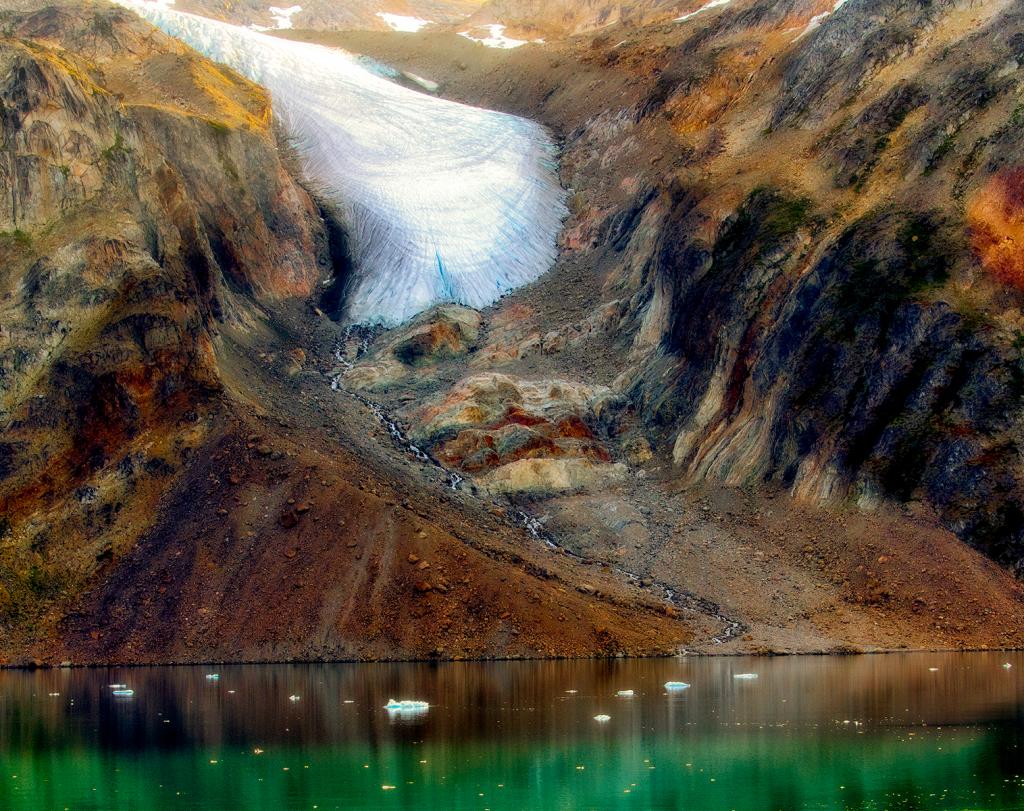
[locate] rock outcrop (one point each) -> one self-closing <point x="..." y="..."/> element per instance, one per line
<point x="535" y="436"/>
<point x="444" y="333"/>
<point x="146" y="207"/>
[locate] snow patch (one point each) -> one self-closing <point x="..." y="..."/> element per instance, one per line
<point x="426" y="84"/>
<point x="442" y="202"/>
<point x="496" y="37"/>
<point x="706" y="7"/>
<point x="399" y="22"/>
<point x="818" y="19"/>
<point x="283" y="16"/>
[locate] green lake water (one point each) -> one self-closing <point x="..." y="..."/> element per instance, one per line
<point x="914" y="731"/>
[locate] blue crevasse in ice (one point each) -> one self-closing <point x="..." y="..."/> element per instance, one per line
<point x="443" y="202"/>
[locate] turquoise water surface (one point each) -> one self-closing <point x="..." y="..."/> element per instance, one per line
<point x="914" y="731"/>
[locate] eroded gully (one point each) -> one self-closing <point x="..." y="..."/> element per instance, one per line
<point x="681" y="600"/>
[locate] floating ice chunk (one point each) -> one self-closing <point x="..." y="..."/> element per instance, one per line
<point x="294" y="698"/>
<point x="705" y="7"/>
<point x="213" y="676"/>
<point x="53" y="694"/>
<point x="602" y="718"/>
<point x="933" y="670"/>
<point x="572" y="692"/>
<point x="625" y="694"/>
<point x="406" y="706"/>
<point x="442" y="202"/>
<point x="676" y="685"/>
<point x="124" y="692"/>
<point x="1007" y="666"/>
<point x="400" y="22"/>
<point x="117" y="686"/>
<point x="745" y="676"/>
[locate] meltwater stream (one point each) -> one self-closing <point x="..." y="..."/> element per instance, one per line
<point x="442" y="202"/>
<point x="684" y="600"/>
<point x="857" y="733"/>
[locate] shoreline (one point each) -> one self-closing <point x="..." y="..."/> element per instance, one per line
<point x="504" y="659"/>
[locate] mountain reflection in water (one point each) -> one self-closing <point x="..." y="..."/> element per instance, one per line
<point x="895" y="731"/>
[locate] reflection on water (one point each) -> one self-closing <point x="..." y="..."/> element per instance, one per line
<point x="866" y="732"/>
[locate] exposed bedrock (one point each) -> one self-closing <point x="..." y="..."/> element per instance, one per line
<point x="521" y="435"/>
<point x="795" y="228"/>
<point x="839" y="375"/>
<point x="145" y="208"/>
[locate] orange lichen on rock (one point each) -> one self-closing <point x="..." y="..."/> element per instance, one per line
<point x="996" y="220"/>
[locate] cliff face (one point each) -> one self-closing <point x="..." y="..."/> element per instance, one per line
<point x="144" y="204"/>
<point x="862" y="329"/>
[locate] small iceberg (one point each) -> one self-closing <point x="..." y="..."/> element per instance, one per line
<point x="124" y="692"/>
<point x="406" y="706"/>
<point x="117" y="686"/>
<point x="212" y="676"/>
<point x="294" y="698"/>
<point x="625" y="694"/>
<point x="745" y="676"/>
<point x="676" y="685"/>
<point x="602" y="718"/>
<point x="1007" y="666"/>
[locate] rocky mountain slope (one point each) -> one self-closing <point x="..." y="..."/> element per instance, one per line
<point x="845" y="323"/>
<point x="841" y="325"/>
<point x="533" y="19"/>
<point x="768" y="398"/>
<point x="329" y="15"/>
<point x="167" y="466"/>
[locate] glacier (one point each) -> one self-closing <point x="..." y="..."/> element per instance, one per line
<point x="442" y="202"/>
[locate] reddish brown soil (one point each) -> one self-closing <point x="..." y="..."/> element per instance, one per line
<point x="310" y="536"/>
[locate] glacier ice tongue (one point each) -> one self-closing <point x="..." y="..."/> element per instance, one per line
<point x="442" y="202"/>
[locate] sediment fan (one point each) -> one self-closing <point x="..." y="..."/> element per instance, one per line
<point x="443" y="202"/>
